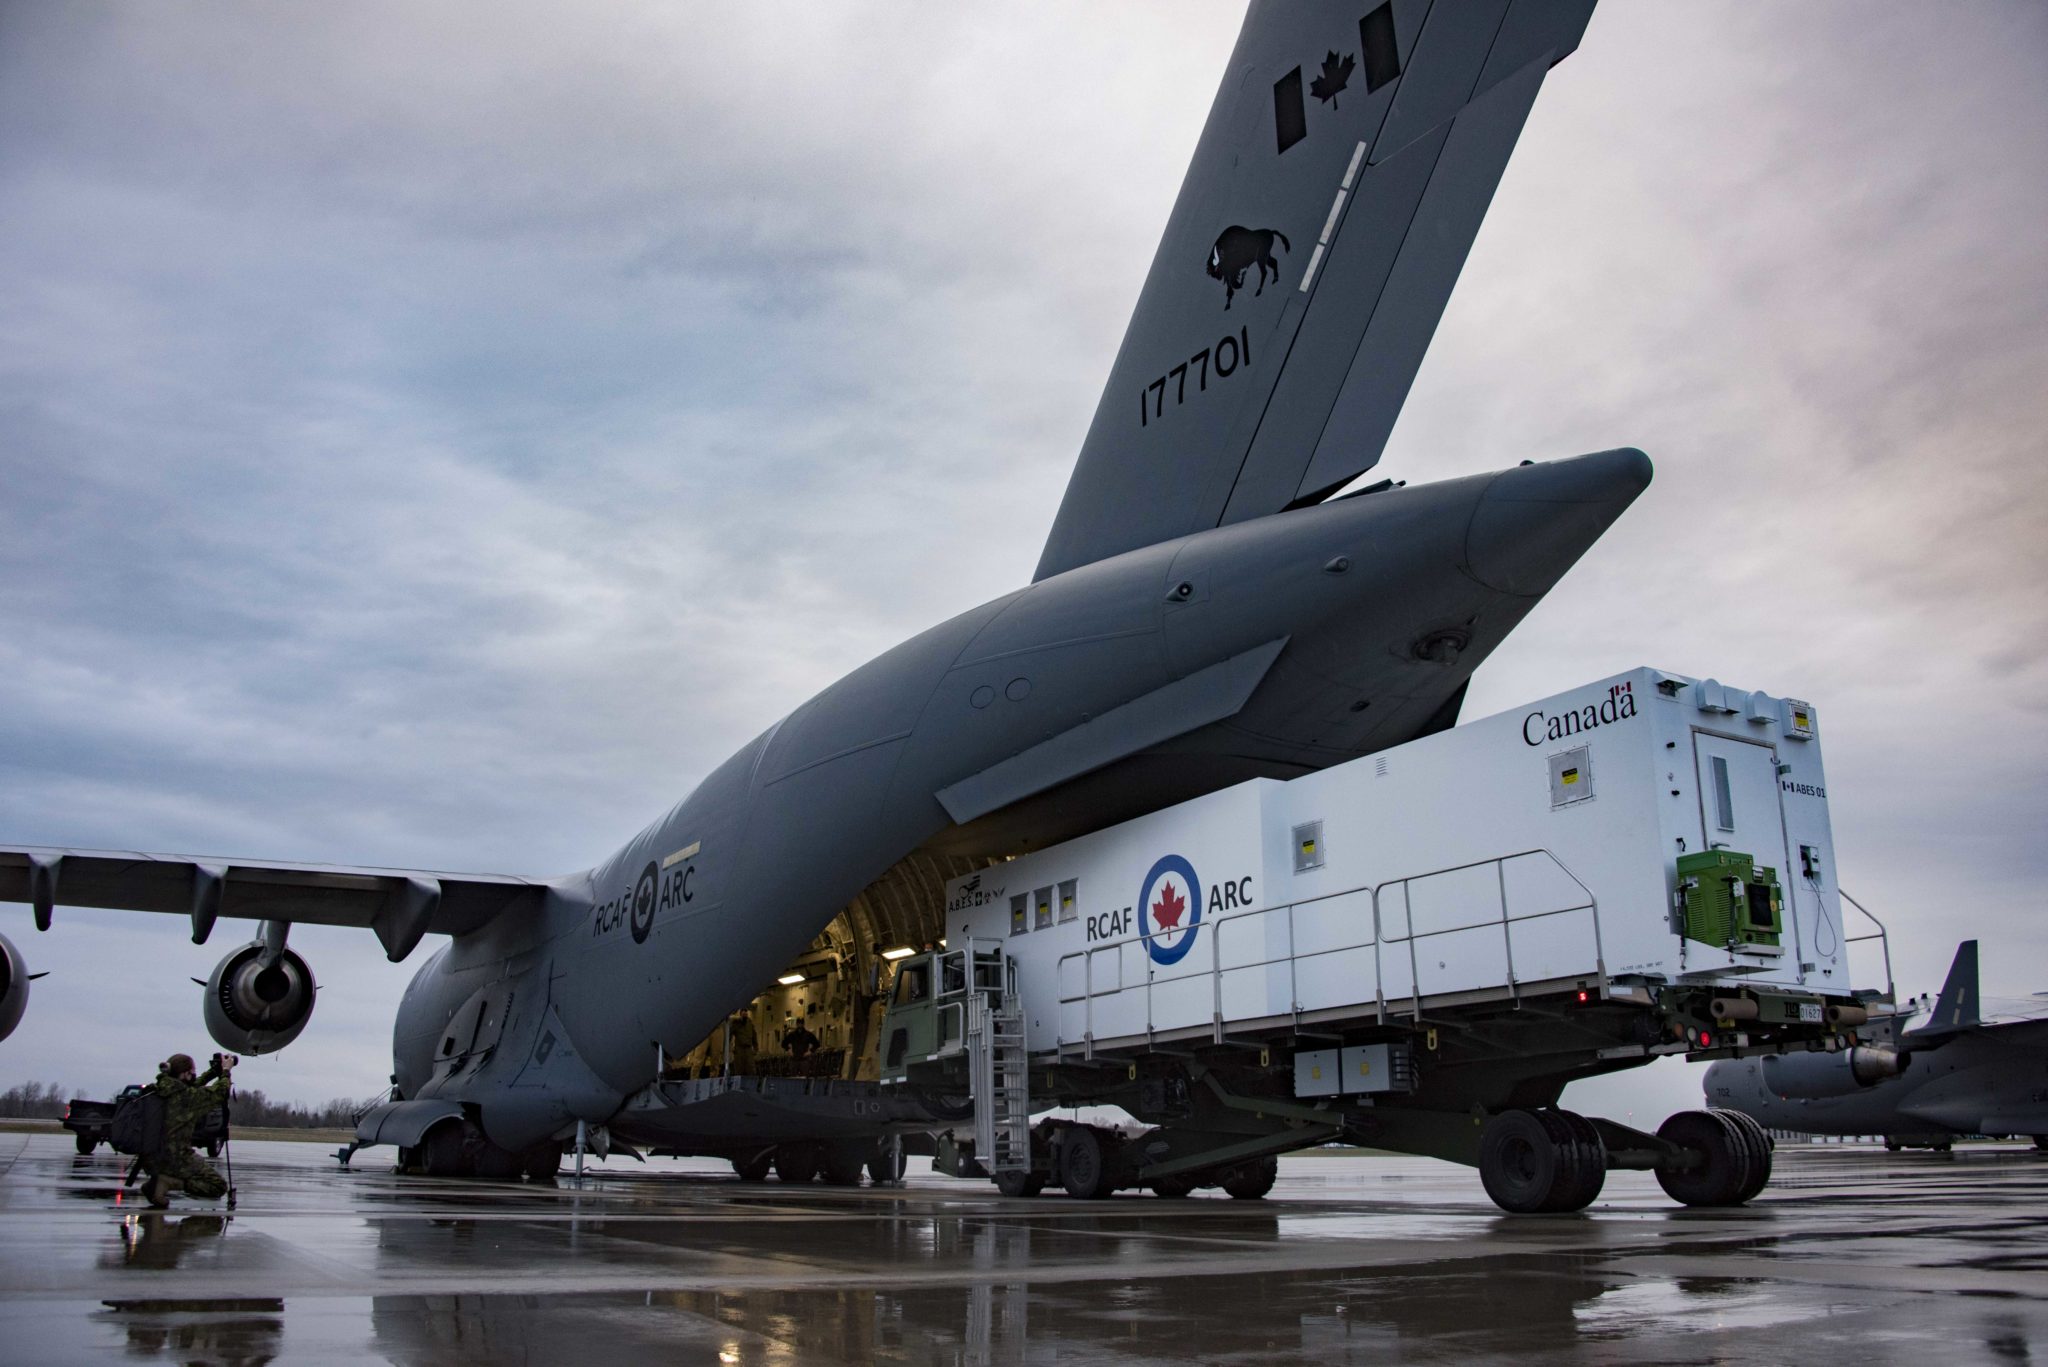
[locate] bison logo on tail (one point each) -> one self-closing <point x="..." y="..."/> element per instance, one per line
<point x="1237" y="251"/>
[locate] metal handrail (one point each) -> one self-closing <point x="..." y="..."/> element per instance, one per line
<point x="1883" y="937"/>
<point x="1088" y="995"/>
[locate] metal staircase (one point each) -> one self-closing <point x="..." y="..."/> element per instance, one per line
<point x="998" y="1075"/>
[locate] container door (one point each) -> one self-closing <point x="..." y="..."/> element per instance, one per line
<point x="1739" y="800"/>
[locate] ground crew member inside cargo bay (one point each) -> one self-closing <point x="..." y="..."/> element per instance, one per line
<point x="186" y="1098"/>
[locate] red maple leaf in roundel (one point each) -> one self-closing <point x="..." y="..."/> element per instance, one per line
<point x="1167" y="910"/>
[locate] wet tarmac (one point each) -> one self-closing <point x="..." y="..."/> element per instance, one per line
<point x="1852" y="1253"/>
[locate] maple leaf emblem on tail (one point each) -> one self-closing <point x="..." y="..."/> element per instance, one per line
<point x="1168" y="909"/>
<point x="1336" y="75"/>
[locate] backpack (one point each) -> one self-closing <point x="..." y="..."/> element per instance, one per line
<point x="138" y="1126"/>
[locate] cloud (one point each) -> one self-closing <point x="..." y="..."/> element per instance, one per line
<point x="436" y="437"/>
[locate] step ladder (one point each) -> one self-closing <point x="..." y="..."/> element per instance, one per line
<point x="998" y="1076"/>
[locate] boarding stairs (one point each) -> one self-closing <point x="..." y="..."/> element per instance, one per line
<point x="998" y="1073"/>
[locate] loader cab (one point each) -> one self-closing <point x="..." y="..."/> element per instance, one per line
<point x="927" y="1014"/>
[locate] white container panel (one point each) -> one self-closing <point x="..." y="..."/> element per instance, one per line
<point x="1397" y="969"/>
<point x="1461" y="960"/>
<point x="1537" y="883"/>
<point x="1343" y="977"/>
<point x="1560" y="945"/>
<point x="1330" y="923"/>
<point x="1454" y="900"/>
<point x="1178" y="1003"/>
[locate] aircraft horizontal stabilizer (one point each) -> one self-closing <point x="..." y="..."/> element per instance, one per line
<point x="1200" y="699"/>
<point x="1347" y="163"/>
<point x="400" y="905"/>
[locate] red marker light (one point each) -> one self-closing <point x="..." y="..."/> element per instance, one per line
<point x="1706" y="1039"/>
<point x="1584" y="996"/>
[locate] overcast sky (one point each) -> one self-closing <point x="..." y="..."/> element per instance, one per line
<point x="436" y="435"/>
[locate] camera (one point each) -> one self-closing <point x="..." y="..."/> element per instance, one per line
<point x="223" y="1062"/>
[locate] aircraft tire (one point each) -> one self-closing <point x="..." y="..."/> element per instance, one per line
<point x="1251" y="1179"/>
<point x="1017" y="1185"/>
<point x="1761" y="1152"/>
<point x="2041" y="1142"/>
<point x="881" y="1169"/>
<point x="542" y="1162"/>
<point x="1585" y="1155"/>
<point x="1085" y="1164"/>
<point x="1520" y="1164"/>
<point x="796" y="1163"/>
<point x="1725" y="1175"/>
<point x="441" y="1153"/>
<point x="494" y="1164"/>
<point x="86" y="1143"/>
<point x="754" y="1167"/>
<point x="1175" y="1188"/>
<point x="841" y="1165"/>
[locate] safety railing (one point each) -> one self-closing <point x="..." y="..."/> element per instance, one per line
<point x="1881" y="935"/>
<point x="1294" y="955"/>
<point x="957" y="980"/>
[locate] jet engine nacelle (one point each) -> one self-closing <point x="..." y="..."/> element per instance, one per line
<point x="1814" y="1077"/>
<point x="259" y="999"/>
<point x="13" y="987"/>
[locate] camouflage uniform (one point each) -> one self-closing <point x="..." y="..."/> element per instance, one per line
<point x="184" y="1104"/>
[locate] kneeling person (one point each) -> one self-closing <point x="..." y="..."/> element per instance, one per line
<point x="187" y="1098"/>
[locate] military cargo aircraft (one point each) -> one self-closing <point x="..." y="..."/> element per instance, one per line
<point x="1921" y="1087"/>
<point x="1211" y="605"/>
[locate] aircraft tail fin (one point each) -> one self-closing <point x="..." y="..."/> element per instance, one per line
<point x="1956" y="1007"/>
<point x="1347" y="163"/>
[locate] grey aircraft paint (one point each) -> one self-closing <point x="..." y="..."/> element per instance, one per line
<point x="1960" y="1076"/>
<point x="1198" y="616"/>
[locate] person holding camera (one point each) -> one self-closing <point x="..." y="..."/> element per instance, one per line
<point x="186" y="1098"/>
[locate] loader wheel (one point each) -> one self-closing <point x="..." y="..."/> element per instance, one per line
<point x="1174" y="1188"/>
<point x="1085" y="1164"/>
<point x="754" y="1167"/>
<point x="1724" y="1172"/>
<point x="2041" y="1142"/>
<point x="494" y="1164"/>
<point x="86" y="1143"/>
<point x="842" y="1165"/>
<point x="1520" y="1164"/>
<point x="1019" y="1184"/>
<point x="1585" y="1155"/>
<point x="1761" y="1151"/>
<point x="542" y="1162"/>
<point x="1252" y="1179"/>
<point x="796" y="1163"/>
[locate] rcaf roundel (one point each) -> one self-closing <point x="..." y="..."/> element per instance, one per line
<point x="1170" y="909"/>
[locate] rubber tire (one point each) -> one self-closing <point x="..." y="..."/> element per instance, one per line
<point x="1726" y="1173"/>
<point x="754" y="1167"/>
<point x="86" y="1143"/>
<point x="842" y="1165"/>
<point x="1586" y="1163"/>
<point x="880" y="1168"/>
<point x="441" y="1151"/>
<point x="1085" y="1163"/>
<point x="1892" y="1146"/>
<point x="1761" y="1151"/>
<point x="1252" y="1179"/>
<point x="2041" y="1142"/>
<point x="1176" y="1188"/>
<point x="1017" y="1185"/>
<point x="542" y="1162"/>
<point x="1519" y="1162"/>
<point x="796" y="1163"/>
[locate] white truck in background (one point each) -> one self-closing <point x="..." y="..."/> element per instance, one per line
<point x="1416" y="951"/>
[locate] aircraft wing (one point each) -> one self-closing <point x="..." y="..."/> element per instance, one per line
<point x="399" y="905"/>
<point x="1338" y="185"/>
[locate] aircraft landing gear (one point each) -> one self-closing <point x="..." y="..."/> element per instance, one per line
<point x="754" y="1167"/>
<point x="842" y="1164"/>
<point x="1544" y="1161"/>
<point x="797" y="1163"/>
